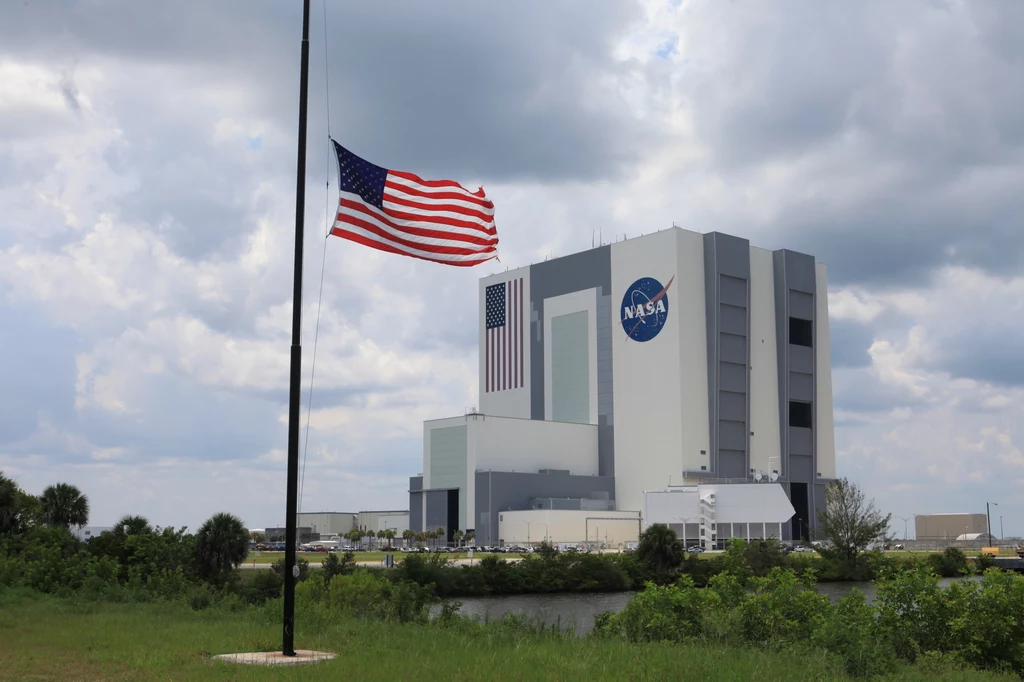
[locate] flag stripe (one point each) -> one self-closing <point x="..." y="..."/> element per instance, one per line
<point x="399" y="219"/>
<point x="447" y="209"/>
<point x="410" y="228"/>
<point x="396" y="185"/>
<point x="416" y="180"/>
<point x="366" y="238"/>
<point x="403" y="237"/>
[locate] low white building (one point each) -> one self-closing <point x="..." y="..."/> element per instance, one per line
<point x="376" y="521"/>
<point x="713" y="512"/>
<point x="593" y="528"/>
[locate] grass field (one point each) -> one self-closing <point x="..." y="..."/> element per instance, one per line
<point x="49" y="639"/>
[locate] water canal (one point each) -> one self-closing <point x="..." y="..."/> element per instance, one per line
<point x="578" y="610"/>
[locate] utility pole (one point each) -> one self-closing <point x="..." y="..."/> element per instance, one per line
<point x="291" y="569"/>
<point x="905" y="519"/>
<point x="988" y="518"/>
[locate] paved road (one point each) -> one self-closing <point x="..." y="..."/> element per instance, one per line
<point x="379" y="564"/>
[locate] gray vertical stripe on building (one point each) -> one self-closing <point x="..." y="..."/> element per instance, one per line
<point x="587" y="270"/>
<point x="727" y="308"/>
<point x="795" y="290"/>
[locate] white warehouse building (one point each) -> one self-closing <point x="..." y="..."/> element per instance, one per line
<point x="676" y="367"/>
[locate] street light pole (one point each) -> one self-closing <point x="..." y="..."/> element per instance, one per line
<point x="905" y="519"/>
<point x="1001" y="536"/>
<point x="988" y="517"/>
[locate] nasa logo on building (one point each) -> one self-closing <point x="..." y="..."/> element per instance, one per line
<point x="644" y="309"/>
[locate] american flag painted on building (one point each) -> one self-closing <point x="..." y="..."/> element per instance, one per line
<point x="397" y="212"/>
<point x="505" y="336"/>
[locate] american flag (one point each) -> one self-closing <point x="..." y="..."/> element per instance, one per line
<point x="436" y="220"/>
<point x="505" y="336"/>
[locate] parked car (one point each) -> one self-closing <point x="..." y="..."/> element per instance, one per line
<point x="696" y="549"/>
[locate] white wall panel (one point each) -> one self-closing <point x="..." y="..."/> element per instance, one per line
<point x="647" y="400"/>
<point x="614" y="528"/>
<point x="531" y="445"/>
<point x="734" y="503"/>
<point x="511" y="402"/>
<point x="764" y="375"/>
<point x="825" y="422"/>
<point x="693" y="350"/>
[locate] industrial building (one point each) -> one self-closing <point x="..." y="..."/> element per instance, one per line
<point x="694" y="366"/>
<point x="949" y="526"/>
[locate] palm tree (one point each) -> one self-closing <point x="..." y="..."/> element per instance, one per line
<point x="458" y="537"/>
<point x="407" y="537"/>
<point x="660" y="548"/>
<point x="440" y="534"/>
<point x="471" y="536"/>
<point x="370" y="535"/>
<point x="354" y="535"/>
<point x="257" y="537"/>
<point x="133" y="525"/>
<point x="380" y="536"/>
<point x="221" y="545"/>
<point x="390" y="534"/>
<point x="63" y="505"/>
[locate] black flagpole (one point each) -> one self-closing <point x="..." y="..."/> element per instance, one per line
<point x="291" y="506"/>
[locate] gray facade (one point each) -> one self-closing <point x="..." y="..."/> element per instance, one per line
<point x="416" y="503"/>
<point x="727" y="309"/>
<point x="502" y="490"/>
<point x="727" y="301"/>
<point x="796" y="332"/>
<point x="586" y="270"/>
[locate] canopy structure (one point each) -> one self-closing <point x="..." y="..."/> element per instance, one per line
<point x="975" y="537"/>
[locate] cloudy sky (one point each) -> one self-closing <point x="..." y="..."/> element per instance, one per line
<point x="147" y="155"/>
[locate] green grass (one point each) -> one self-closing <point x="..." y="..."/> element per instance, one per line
<point x="49" y="639"/>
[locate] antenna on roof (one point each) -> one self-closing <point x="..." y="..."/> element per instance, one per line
<point x="592" y="239"/>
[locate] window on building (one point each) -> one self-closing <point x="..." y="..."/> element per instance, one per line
<point x="800" y="332"/>
<point x="799" y="414"/>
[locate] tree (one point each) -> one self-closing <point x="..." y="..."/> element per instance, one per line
<point x="458" y="536"/>
<point x="63" y="505"/>
<point x="12" y="516"/>
<point x="848" y="523"/>
<point x="390" y="534"/>
<point x="471" y="536"/>
<point x="133" y="525"/>
<point x="222" y="543"/>
<point x="660" y="549"/>
<point x="380" y="536"/>
<point x="408" y="536"/>
<point x="440" y="534"/>
<point x="257" y="537"/>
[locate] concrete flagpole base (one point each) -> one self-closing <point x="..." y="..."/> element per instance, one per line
<point x="301" y="657"/>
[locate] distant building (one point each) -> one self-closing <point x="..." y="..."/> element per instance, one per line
<point x="676" y="358"/>
<point x="396" y="520"/>
<point x="949" y="526"/>
<point x="86" y="533"/>
<point x="323" y="524"/>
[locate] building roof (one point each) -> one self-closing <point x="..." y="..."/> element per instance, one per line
<point x="975" y="536"/>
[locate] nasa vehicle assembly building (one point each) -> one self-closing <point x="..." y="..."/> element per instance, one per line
<point x="678" y="378"/>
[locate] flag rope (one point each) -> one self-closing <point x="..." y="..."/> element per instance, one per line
<point x="330" y="223"/>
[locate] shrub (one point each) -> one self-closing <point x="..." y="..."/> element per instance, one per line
<point x="264" y="585"/>
<point x="951" y="563"/>
<point x="671" y="613"/>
